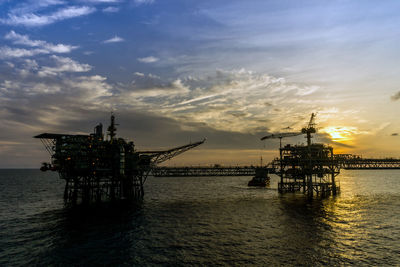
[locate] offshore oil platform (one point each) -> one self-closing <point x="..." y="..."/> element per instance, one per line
<point x="98" y="169"/>
<point x="310" y="168"/>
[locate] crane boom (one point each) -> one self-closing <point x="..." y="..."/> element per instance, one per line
<point x="157" y="157"/>
<point x="311" y="123"/>
<point x="308" y="130"/>
<point x="280" y="135"/>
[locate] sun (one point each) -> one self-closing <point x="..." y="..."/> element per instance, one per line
<point x="340" y="133"/>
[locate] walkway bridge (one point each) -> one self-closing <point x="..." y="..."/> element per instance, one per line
<point x="370" y="164"/>
<point x="347" y="162"/>
<point x="206" y="171"/>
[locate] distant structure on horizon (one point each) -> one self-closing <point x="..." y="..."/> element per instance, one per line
<point x="97" y="168"/>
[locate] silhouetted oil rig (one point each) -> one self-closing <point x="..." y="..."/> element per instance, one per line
<point x="97" y="168"/>
<point x="308" y="168"/>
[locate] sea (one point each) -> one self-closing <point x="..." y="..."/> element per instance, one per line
<point x="202" y="221"/>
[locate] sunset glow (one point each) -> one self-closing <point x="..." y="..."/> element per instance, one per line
<point x="177" y="71"/>
<point x="340" y="134"/>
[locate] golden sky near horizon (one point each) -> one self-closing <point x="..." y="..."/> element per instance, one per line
<point x="231" y="71"/>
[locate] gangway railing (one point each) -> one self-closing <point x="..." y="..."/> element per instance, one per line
<point x="206" y="171"/>
<point x="347" y="162"/>
<point x="370" y="164"/>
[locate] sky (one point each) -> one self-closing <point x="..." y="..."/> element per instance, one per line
<point x="176" y="71"/>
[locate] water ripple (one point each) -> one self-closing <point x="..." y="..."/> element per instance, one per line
<point x="202" y="221"/>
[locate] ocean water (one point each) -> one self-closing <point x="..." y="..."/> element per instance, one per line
<point x="209" y="221"/>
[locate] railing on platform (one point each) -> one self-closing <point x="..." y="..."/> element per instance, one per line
<point x="205" y="171"/>
<point x="355" y="162"/>
<point x="370" y="164"/>
<point x="349" y="162"/>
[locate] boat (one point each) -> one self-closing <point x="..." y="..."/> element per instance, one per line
<point x="261" y="177"/>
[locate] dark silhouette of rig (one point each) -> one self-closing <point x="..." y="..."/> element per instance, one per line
<point x="99" y="169"/>
<point x="310" y="168"/>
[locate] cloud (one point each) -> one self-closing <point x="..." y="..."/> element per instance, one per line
<point x="227" y="107"/>
<point x="8" y="52"/>
<point x="149" y="59"/>
<point x="77" y="90"/>
<point x="10" y="143"/>
<point x="139" y="74"/>
<point x="226" y="100"/>
<point x="115" y="39"/>
<point x="102" y="1"/>
<point x="151" y="87"/>
<point x="51" y="48"/>
<point x="34" y="20"/>
<point x="395" y="97"/>
<point x="110" y="9"/>
<point x="11" y="91"/>
<point x="92" y="87"/>
<point x="63" y="64"/>
<point x="197" y="99"/>
<point x="232" y="101"/>
<point x="35" y="5"/>
<point x="143" y="2"/>
<point x="150" y="81"/>
<point x="10" y="64"/>
<point x="342" y="144"/>
<point x="55" y="104"/>
<point x="40" y="47"/>
<point x="307" y="90"/>
<point x="29" y="65"/>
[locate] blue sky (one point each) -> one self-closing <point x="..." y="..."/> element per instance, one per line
<point x="175" y="71"/>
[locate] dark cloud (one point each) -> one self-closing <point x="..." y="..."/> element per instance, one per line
<point x="325" y="138"/>
<point x="237" y="114"/>
<point x="342" y="145"/>
<point x="396" y="96"/>
<point x="153" y="113"/>
<point x="146" y="129"/>
<point x="268" y="104"/>
<point x="145" y="81"/>
<point x="153" y="131"/>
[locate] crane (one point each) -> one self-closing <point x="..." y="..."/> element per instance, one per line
<point x="280" y="136"/>
<point x="308" y="130"/>
<point x="160" y="156"/>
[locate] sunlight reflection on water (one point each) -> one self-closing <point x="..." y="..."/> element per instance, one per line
<point x="203" y="221"/>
